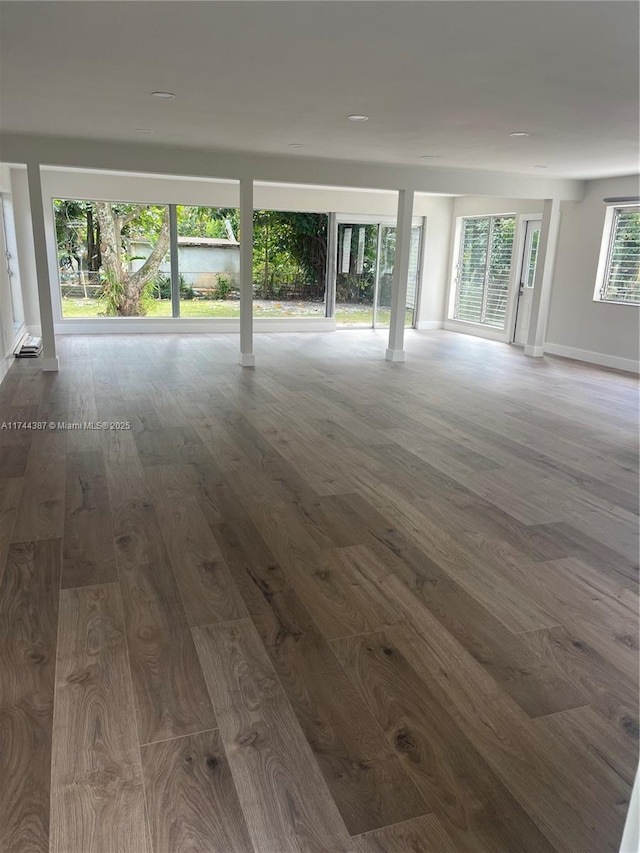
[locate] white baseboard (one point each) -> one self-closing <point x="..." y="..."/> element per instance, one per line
<point x="477" y="330"/>
<point x="601" y="358"/>
<point x="430" y="324"/>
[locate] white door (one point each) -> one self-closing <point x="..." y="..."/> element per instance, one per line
<point x="527" y="277"/>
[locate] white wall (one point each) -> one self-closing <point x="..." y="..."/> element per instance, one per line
<point x="483" y="206"/>
<point x="165" y="189"/>
<point x="578" y="326"/>
<point x="434" y="279"/>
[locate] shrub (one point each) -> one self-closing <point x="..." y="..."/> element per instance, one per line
<point x="223" y="289"/>
<point x="161" y="288"/>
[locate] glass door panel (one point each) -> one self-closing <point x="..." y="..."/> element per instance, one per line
<point x="414" y="276"/>
<point x="385" y="275"/>
<point x="527" y="280"/>
<point x="356" y="274"/>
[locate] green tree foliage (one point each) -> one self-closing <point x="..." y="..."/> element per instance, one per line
<point x="303" y="237"/>
<point x="198" y="221"/>
<point x="289" y="248"/>
<point x="78" y="238"/>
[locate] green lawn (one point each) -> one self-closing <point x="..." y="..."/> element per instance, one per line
<point x="81" y="308"/>
<point x="346" y="315"/>
<point x="362" y="315"/>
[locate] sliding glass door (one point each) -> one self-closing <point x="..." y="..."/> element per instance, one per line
<point x="358" y="247"/>
<point x="364" y="274"/>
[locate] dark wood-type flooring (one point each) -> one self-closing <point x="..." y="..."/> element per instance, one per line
<point x="332" y="605"/>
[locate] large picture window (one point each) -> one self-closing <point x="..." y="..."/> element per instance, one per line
<point x="112" y="258"/>
<point x="484" y="270"/>
<point x="289" y="264"/>
<point x="619" y="268"/>
<point x="122" y="259"/>
<point x="208" y="261"/>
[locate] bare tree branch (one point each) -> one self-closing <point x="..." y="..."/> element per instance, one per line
<point x="137" y="210"/>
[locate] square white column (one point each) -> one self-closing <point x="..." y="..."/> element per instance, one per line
<point x="541" y="298"/>
<point x="395" y="351"/>
<point x="49" y="360"/>
<point x="247" y="358"/>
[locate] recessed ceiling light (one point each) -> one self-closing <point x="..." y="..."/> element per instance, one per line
<point x="540" y="166"/>
<point x="358" y="117"/>
<point x="163" y="94"/>
<point x="519" y="133"/>
<point x="295" y="145"/>
<point x="428" y="157"/>
<point x="143" y="130"/>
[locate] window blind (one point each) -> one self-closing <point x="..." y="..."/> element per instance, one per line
<point x="484" y="270"/>
<point x="621" y="281"/>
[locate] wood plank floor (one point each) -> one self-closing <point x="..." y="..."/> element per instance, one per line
<point x="332" y="605"/>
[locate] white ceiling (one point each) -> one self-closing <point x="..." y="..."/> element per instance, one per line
<point x="449" y="79"/>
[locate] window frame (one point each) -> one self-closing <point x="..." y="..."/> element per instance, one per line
<point x="606" y="253"/>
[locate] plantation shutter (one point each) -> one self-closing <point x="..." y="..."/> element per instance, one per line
<point x="484" y="270"/>
<point x="414" y="259"/>
<point x="622" y="274"/>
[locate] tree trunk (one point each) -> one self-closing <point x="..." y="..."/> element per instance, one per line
<point x="138" y="280"/>
<point x="93" y="244"/>
<point x="111" y="251"/>
<point x="97" y="257"/>
<point x="78" y="260"/>
<point x="124" y="290"/>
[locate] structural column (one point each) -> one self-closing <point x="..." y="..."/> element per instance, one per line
<point x="395" y="351"/>
<point x="175" y="261"/>
<point x="541" y="298"/>
<point x="247" y="358"/>
<point x="332" y="250"/>
<point x="49" y="357"/>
